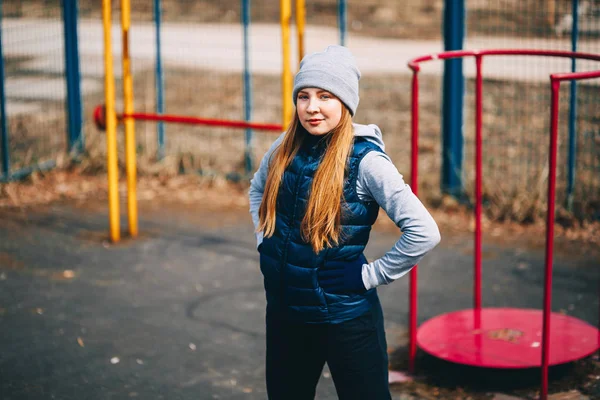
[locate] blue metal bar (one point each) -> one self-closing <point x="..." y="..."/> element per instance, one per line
<point x="453" y="98"/>
<point x="160" y="82"/>
<point x="26" y="171"/>
<point x="342" y="18"/>
<point x="571" y="168"/>
<point x="3" y="116"/>
<point x="73" y="78"/>
<point x="247" y="85"/>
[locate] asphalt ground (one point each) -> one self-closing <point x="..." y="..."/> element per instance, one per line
<point x="179" y="312"/>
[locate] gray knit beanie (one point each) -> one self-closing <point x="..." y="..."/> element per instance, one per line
<point x="333" y="70"/>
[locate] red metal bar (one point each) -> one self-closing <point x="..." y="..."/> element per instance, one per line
<point x="502" y="52"/>
<point x="555" y="81"/>
<point x="414" y="162"/>
<point x="100" y="120"/>
<point x="100" y="117"/>
<point x="478" y="174"/>
<point x="544" y="53"/>
<point x="575" y="76"/>
<point x="202" y="121"/>
<point x="414" y="182"/>
<point x="549" y="236"/>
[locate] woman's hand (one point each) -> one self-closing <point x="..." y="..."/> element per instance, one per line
<point x="343" y="276"/>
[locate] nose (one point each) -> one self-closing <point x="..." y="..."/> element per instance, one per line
<point x="313" y="106"/>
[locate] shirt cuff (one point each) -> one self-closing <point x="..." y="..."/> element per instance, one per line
<point x="365" y="277"/>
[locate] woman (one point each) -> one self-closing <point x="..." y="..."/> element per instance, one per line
<point x="313" y="201"/>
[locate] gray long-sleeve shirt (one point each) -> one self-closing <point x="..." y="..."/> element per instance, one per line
<point x="378" y="180"/>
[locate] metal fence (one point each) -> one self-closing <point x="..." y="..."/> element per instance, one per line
<point x="202" y="67"/>
<point x="518" y="102"/>
<point x="34" y="130"/>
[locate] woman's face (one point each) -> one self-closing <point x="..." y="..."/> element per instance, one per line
<point x="318" y="110"/>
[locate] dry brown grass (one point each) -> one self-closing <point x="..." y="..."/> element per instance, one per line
<point x="515" y="137"/>
<point x="516" y="114"/>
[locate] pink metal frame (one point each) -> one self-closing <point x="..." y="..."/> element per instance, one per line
<point x="555" y="80"/>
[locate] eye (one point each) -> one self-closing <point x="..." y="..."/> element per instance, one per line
<point x="325" y="96"/>
<point x="302" y="97"/>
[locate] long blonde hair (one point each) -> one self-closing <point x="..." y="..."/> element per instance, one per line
<point x="321" y="226"/>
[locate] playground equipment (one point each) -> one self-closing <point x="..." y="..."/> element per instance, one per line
<point x="106" y="116"/>
<point x="501" y="337"/>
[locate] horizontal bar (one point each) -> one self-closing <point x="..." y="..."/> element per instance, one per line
<point x="414" y="63"/>
<point x="181" y="119"/>
<point x="26" y="171"/>
<point x="574" y="76"/>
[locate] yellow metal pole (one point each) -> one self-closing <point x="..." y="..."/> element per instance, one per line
<point x="300" y="24"/>
<point x="286" y="75"/>
<point x="130" y="156"/>
<point x="111" y="127"/>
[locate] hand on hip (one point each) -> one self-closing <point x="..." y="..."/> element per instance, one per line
<point x="343" y="276"/>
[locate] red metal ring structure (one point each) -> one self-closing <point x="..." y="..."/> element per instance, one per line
<point x="99" y="119"/>
<point x="555" y="80"/>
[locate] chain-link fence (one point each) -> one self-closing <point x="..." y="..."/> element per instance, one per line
<point x="201" y="45"/>
<point x="517" y="106"/>
<point x="34" y="83"/>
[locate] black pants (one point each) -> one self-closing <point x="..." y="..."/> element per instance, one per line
<point x="355" y="350"/>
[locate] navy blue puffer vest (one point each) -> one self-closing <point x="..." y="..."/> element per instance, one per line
<point x="289" y="264"/>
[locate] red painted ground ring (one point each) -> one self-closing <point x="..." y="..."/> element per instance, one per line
<point x="506" y="338"/>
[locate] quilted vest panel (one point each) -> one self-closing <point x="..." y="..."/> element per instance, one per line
<point x="288" y="263"/>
